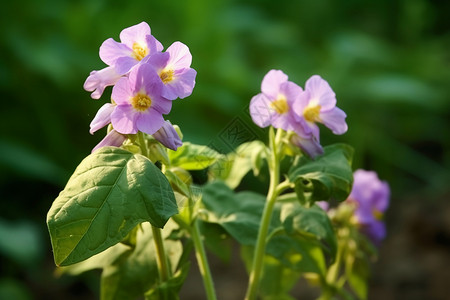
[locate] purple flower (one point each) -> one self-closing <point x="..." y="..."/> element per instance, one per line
<point x="102" y="118"/>
<point x="174" y="69"/>
<point x="323" y="205"/>
<point x="113" y="138"/>
<point x="99" y="80"/>
<point x="168" y="136"/>
<point x="371" y="197"/>
<point x="139" y="102"/>
<point x="308" y="143"/>
<point x="318" y="104"/>
<point x="274" y="105"/>
<point x="136" y="42"/>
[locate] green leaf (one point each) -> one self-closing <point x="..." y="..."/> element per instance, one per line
<point x="238" y="213"/>
<point x="132" y="277"/>
<point x="310" y="222"/>
<point x="234" y="166"/>
<point x="193" y="157"/>
<point x="328" y="176"/>
<point x="110" y="192"/>
<point x="170" y="289"/>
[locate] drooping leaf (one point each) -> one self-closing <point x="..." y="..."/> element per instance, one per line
<point x="193" y="157"/>
<point x="232" y="167"/>
<point x="238" y="213"/>
<point x="310" y="222"/>
<point x="328" y="176"/>
<point x="110" y="192"/>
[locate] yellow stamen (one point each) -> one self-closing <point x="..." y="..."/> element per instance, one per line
<point x="377" y="214"/>
<point x="141" y="102"/>
<point x="311" y="113"/>
<point x="280" y="105"/>
<point x="166" y="76"/>
<point x="139" y="52"/>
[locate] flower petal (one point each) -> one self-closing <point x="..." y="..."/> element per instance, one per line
<point x="261" y="110"/>
<point x="291" y="91"/>
<point x="97" y="81"/>
<point x="111" y="50"/>
<point x="124" y="64"/>
<point x="309" y="145"/>
<point x="137" y="33"/>
<point x="122" y="92"/>
<point x="321" y="91"/>
<point x="149" y="122"/>
<point x="168" y="136"/>
<point x="335" y="120"/>
<point x="180" y="57"/>
<point x="181" y="86"/>
<point x="271" y="83"/>
<point x="102" y="118"/>
<point x="123" y="119"/>
<point x="113" y="138"/>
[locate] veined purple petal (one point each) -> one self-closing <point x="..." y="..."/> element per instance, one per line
<point x="284" y="121"/>
<point x="271" y="83"/>
<point x="321" y="91"/>
<point x="145" y="78"/>
<point x="122" y="92"/>
<point x="181" y="86"/>
<point x="154" y="45"/>
<point x="180" y="57"/>
<point x="335" y="120"/>
<point x="111" y="50"/>
<point x="310" y="145"/>
<point x="137" y="33"/>
<point x="375" y="231"/>
<point x="291" y="91"/>
<point x="99" y="80"/>
<point x="158" y="60"/>
<point x="150" y="121"/>
<point x="102" y="118"/>
<point x="113" y="138"/>
<point x="124" y="64"/>
<point x="261" y="110"/>
<point x="168" y="136"/>
<point x="123" y="119"/>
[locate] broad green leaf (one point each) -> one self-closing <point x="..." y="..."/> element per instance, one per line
<point x="110" y="192"/>
<point x="216" y="240"/>
<point x="310" y="222"/>
<point x="193" y="157"/>
<point x="132" y="277"/>
<point x="328" y="176"/>
<point x="232" y="167"/>
<point x="238" y="213"/>
<point x="297" y="253"/>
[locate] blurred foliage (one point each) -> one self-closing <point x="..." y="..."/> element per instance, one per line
<point x="388" y="62"/>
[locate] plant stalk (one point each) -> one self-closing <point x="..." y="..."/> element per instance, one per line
<point x="161" y="258"/>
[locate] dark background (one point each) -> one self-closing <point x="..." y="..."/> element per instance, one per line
<point x="387" y="60"/>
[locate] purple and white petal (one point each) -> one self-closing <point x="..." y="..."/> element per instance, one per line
<point x="168" y="136"/>
<point x="122" y="92"/>
<point x="310" y="145"/>
<point x="321" y="91"/>
<point x="102" y="118"/>
<point x="261" y="110"/>
<point x="181" y="86"/>
<point x="335" y="120"/>
<point x="111" y="50"/>
<point x="113" y="138"/>
<point x="149" y="121"/>
<point x="291" y="91"/>
<point x="180" y="57"/>
<point x="271" y="83"/>
<point x="124" y="64"/>
<point x="135" y="34"/>
<point x="123" y="119"/>
<point x="97" y="81"/>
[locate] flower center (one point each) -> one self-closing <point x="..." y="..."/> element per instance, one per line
<point x="166" y="76"/>
<point x="280" y="105"/>
<point x="141" y="102"/>
<point x="139" y="52"/>
<point x="378" y="215"/>
<point x="311" y="113"/>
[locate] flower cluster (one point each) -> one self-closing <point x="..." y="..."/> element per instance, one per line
<point x="145" y="81"/>
<point x="283" y="104"/>
<point x="370" y="196"/>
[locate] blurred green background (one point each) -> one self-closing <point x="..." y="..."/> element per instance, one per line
<point x="387" y="60"/>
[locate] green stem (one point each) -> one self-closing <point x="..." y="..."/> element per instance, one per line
<point x="258" y="258"/>
<point x="161" y="258"/>
<point x="202" y="261"/>
<point x="142" y="144"/>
